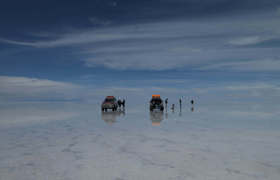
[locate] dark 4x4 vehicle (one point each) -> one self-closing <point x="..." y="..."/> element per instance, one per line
<point x="156" y="103"/>
<point x="110" y="102"/>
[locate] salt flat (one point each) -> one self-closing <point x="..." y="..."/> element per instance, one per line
<point x="76" y="141"/>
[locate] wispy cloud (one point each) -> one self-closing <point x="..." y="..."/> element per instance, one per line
<point x="23" y="88"/>
<point x="17" y="42"/>
<point x="251" y="40"/>
<point x="203" y="44"/>
<point x="269" y="65"/>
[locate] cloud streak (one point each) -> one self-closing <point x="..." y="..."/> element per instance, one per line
<point x="248" y="40"/>
<point x="24" y="88"/>
<point x="205" y="44"/>
<point x="265" y="65"/>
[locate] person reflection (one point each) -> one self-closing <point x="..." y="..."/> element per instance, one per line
<point x="156" y="118"/>
<point x="180" y="112"/>
<point x="110" y="117"/>
<point x="173" y="108"/>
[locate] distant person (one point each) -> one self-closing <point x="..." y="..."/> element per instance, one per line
<point x="166" y="102"/>
<point x="119" y="103"/>
<point x="192" y="101"/>
<point x="180" y="102"/>
<point x="173" y="107"/>
<point x="192" y="109"/>
<point x="123" y="103"/>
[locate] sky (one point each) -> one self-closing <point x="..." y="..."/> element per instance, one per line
<point x="73" y="51"/>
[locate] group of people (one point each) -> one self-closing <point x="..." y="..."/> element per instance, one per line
<point x="121" y="103"/>
<point x="180" y="103"/>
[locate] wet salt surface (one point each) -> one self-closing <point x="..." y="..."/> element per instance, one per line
<point x="77" y="141"/>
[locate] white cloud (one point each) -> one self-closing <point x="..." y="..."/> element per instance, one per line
<point x="248" y="40"/>
<point x="200" y="44"/>
<point x="23" y="88"/>
<point x="253" y="65"/>
<point x="250" y="86"/>
<point x="17" y="42"/>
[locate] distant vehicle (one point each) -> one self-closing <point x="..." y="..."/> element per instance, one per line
<point x="110" y="102"/>
<point x="156" y="103"/>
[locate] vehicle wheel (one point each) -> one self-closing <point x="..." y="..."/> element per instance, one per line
<point x="102" y="109"/>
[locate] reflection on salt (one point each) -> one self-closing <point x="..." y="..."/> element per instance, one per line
<point x="110" y="117"/>
<point x="156" y="117"/>
<point x="166" y="115"/>
<point x="192" y="109"/>
<point x="83" y="147"/>
<point x="180" y="113"/>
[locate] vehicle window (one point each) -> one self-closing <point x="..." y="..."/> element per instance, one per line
<point x="109" y="100"/>
<point x="156" y="101"/>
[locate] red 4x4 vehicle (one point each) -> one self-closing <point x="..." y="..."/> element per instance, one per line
<point x="110" y="102"/>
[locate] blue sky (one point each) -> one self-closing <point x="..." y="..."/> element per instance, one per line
<point x="117" y="47"/>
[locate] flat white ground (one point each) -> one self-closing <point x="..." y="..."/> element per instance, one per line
<point x="75" y="141"/>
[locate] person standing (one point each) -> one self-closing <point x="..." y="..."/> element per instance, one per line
<point x="180" y="102"/>
<point x="192" y="101"/>
<point x="166" y="102"/>
<point x="192" y="108"/>
<point x="173" y="107"/>
<point x="123" y="103"/>
<point x="119" y="103"/>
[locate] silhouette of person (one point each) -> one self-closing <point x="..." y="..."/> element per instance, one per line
<point x="192" y="102"/>
<point x="123" y="103"/>
<point x="173" y="107"/>
<point x="180" y="102"/>
<point x="166" y="102"/>
<point x="119" y="103"/>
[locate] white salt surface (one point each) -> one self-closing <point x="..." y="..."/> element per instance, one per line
<point x="75" y="141"/>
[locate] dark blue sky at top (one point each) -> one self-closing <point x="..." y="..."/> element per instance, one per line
<point x="43" y="22"/>
<point x="19" y="17"/>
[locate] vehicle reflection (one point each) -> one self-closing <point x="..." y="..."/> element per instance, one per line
<point x="156" y="118"/>
<point x="110" y="117"/>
